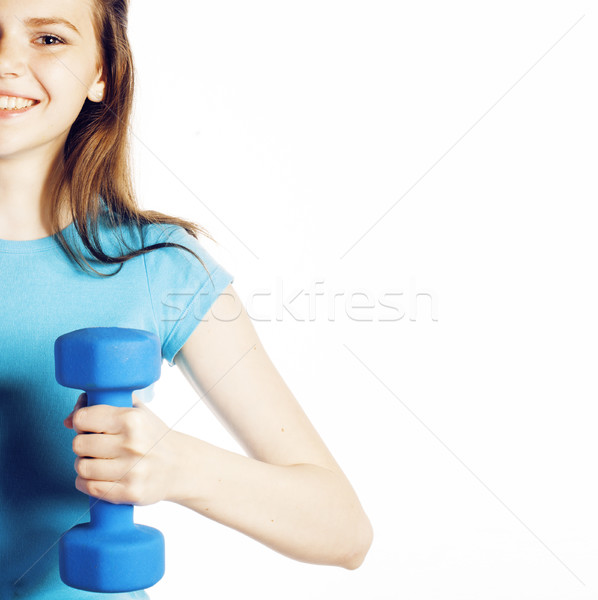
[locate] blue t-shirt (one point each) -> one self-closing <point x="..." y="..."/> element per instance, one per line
<point x="44" y="295"/>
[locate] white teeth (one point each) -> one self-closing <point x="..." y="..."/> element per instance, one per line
<point x="10" y="102"/>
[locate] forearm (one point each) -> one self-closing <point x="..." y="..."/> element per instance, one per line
<point x="306" y="512"/>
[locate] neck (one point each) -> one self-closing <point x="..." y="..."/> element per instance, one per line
<point x="25" y="185"/>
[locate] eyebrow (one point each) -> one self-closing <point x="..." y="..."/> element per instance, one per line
<point x="40" y="21"/>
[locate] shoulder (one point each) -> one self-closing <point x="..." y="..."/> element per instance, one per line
<point x="176" y="247"/>
<point x="183" y="283"/>
<point x="153" y="233"/>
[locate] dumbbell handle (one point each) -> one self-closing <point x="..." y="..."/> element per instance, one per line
<point x="106" y="514"/>
<point x="119" y="398"/>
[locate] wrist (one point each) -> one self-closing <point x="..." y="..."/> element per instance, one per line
<point x="186" y="476"/>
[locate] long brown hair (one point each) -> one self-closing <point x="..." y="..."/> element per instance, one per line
<point x="95" y="165"/>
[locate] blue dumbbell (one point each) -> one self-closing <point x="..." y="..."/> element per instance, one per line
<point x="110" y="553"/>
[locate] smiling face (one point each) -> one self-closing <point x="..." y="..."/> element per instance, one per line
<point x="48" y="62"/>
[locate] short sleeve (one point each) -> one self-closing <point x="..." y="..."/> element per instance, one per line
<point x="182" y="289"/>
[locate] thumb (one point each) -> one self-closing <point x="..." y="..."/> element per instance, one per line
<point x="81" y="402"/>
<point x="137" y="402"/>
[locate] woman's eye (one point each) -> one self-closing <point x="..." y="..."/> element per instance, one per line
<point x="53" y="37"/>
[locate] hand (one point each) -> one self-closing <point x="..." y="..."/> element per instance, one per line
<point x="127" y="457"/>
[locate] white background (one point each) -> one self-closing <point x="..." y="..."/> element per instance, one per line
<point x="445" y="151"/>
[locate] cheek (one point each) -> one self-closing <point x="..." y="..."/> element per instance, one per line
<point x="62" y="78"/>
<point x="65" y="102"/>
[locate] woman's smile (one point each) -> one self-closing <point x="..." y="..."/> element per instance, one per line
<point x="11" y="108"/>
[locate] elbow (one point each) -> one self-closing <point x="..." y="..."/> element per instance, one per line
<point x="363" y="541"/>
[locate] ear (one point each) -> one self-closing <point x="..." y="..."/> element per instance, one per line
<point x="97" y="90"/>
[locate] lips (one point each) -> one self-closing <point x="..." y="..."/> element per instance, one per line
<point x="16" y="95"/>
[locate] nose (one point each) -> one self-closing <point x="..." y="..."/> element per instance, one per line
<point x="11" y="58"/>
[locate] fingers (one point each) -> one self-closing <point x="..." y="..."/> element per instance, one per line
<point x="91" y="445"/>
<point x="99" y="470"/>
<point x="106" y="426"/>
<point x="103" y="418"/>
<point x="114" y="492"/>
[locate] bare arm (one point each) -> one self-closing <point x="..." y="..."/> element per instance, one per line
<point x="288" y="493"/>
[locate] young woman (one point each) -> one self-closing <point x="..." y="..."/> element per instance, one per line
<point x="77" y="251"/>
